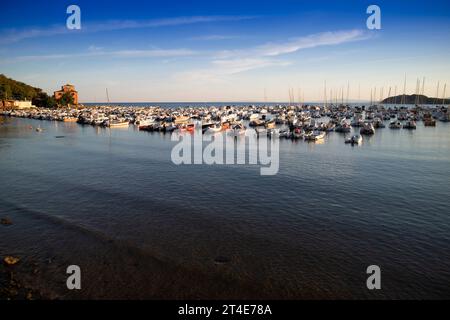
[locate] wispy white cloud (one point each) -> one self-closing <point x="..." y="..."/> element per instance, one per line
<point x="310" y="41"/>
<point x="231" y="62"/>
<point x="98" y="52"/>
<point x="222" y="69"/>
<point x="214" y="37"/>
<point x="233" y="66"/>
<point x="15" y="35"/>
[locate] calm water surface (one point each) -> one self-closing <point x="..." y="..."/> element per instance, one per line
<point x="139" y="226"/>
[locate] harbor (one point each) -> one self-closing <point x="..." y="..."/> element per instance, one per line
<point x="305" y="122"/>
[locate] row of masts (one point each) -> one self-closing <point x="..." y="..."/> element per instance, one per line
<point x="342" y="95"/>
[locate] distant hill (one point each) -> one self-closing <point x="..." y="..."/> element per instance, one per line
<point x="11" y="89"/>
<point x="414" y="99"/>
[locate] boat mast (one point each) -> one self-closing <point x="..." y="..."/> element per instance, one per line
<point x="395" y="96"/>
<point x="443" y="94"/>
<point x="404" y="91"/>
<point x="381" y="94"/>
<point x="375" y="95"/>
<point x="389" y="94"/>
<point x="416" y="100"/>
<point x="423" y="91"/>
<point x="437" y="94"/>
<point x="331" y="97"/>
<point x="299" y="97"/>
<point x="107" y="95"/>
<point x="348" y="90"/>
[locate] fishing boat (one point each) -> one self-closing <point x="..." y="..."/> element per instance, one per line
<point x="70" y="119"/>
<point x="205" y="126"/>
<point x="343" y="126"/>
<point x="330" y="126"/>
<point x="146" y="122"/>
<point x="270" y="124"/>
<point x="445" y="117"/>
<point x="297" y="133"/>
<point x="226" y="125"/>
<point x="428" y="120"/>
<point x="236" y="130"/>
<point x="190" y="127"/>
<point x="367" y="128"/>
<point x="118" y="123"/>
<point x="284" y="133"/>
<point x="216" y="127"/>
<point x="314" y="136"/>
<point x="155" y="127"/>
<point x="356" y="139"/>
<point x="402" y="116"/>
<point x="261" y="131"/>
<point x="256" y="123"/>
<point x="169" y="127"/>
<point x="395" y="125"/>
<point x="410" y="124"/>
<point x="357" y="120"/>
<point x="378" y="123"/>
<point x="181" y="119"/>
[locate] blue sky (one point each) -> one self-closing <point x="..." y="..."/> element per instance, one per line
<point x="226" y="50"/>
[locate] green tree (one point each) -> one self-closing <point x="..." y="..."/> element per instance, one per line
<point x="66" y="99"/>
<point x="43" y="100"/>
<point x="5" y="91"/>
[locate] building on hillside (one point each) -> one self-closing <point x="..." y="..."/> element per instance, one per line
<point x="68" y="88"/>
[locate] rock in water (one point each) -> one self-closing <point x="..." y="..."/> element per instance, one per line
<point x="10" y="261"/>
<point x="5" y="221"/>
<point x="221" y="260"/>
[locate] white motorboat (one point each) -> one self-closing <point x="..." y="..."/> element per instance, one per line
<point x="343" y="126"/>
<point x="410" y="124"/>
<point x="315" y="135"/>
<point x="367" y="128"/>
<point x="356" y="139"/>
<point x="395" y="125"/>
<point x="217" y="127"/>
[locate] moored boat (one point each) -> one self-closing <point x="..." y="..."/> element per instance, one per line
<point x="314" y="136"/>
<point x="118" y="123"/>
<point x="410" y="124"/>
<point x="367" y="128"/>
<point x="395" y="125"/>
<point x="356" y="139"/>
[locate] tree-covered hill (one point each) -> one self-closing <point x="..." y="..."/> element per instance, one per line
<point x="11" y="89"/>
<point x="414" y="99"/>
